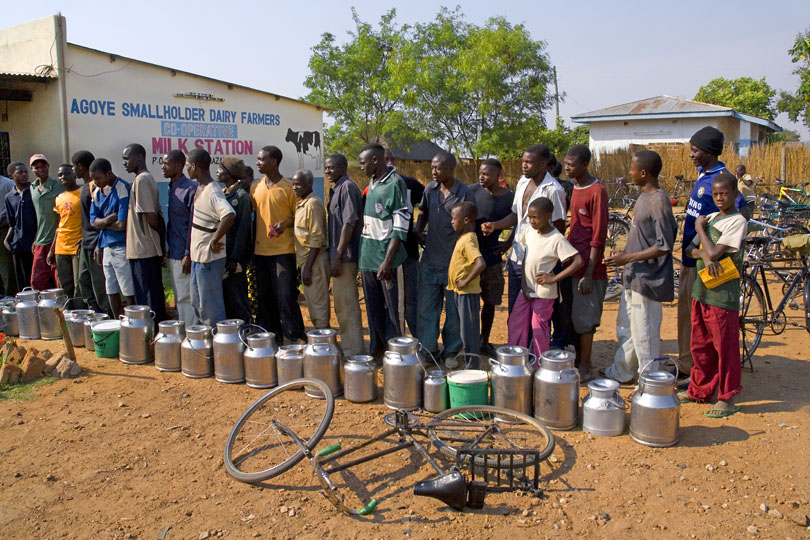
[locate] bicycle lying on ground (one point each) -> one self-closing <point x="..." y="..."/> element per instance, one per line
<point x="502" y="448"/>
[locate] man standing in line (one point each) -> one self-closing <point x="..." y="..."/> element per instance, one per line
<point x="386" y="215"/>
<point x="22" y="224"/>
<point x="108" y="213"/>
<point x="536" y="182"/>
<point x="274" y="253"/>
<point x="345" y="213"/>
<point x="43" y="193"/>
<point x="178" y="233"/>
<point x="8" y="282"/>
<point x="146" y="233"/>
<point x="411" y="265"/>
<point x="91" y="274"/>
<point x="238" y="245"/>
<point x="64" y="253"/>
<point x="706" y="145"/>
<point x="439" y="198"/>
<point x="494" y="203"/>
<point x="212" y="217"/>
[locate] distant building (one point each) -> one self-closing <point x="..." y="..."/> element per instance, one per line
<point x="667" y="119"/>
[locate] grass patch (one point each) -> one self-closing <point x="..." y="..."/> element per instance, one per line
<point x="24" y="391"/>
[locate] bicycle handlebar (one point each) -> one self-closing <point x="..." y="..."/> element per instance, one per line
<point x="331" y="449"/>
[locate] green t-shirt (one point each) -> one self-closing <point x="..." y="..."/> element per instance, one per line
<point x="386" y="215"/>
<point x="729" y="231"/>
<point x="44" y="201"/>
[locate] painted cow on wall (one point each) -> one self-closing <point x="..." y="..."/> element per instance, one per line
<point x="306" y="143"/>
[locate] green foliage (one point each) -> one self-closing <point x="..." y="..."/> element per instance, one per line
<point x="783" y="137"/>
<point x="745" y="95"/>
<point x="797" y="104"/>
<point x="21" y="391"/>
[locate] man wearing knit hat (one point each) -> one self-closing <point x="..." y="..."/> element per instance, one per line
<point x="44" y="191"/>
<point x="238" y="245"/>
<point x="706" y="145"/>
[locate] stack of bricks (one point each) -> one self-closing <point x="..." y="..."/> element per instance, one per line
<point x="26" y="364"/>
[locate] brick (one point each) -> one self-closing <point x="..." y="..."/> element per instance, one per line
<point x="51" y="363"/>
<point x="67" y="368"/>
<point x="32" y="353"/>
<point x="45" y="355"/>
<point x="32" y="368"/>
<point x="9" y="373"/>
<point x="16" y="356"/>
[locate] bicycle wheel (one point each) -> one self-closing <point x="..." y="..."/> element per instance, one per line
<point x="484" y="426"/>
<point x="618" y="229"/>
<point x="807" y="302"/>
<point x="753" y="316"/>
<point x="257" y="450"/>
<point x="677" y="265"/>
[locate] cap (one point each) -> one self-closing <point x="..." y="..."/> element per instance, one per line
<point x="235" y="167"/>
<point x="37" y="157"/>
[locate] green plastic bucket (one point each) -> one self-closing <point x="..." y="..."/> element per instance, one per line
<point x="105" y="338"/>
<point x="468" y="387"/>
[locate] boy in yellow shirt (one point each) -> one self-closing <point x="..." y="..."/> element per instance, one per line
<point x="466" y="265"/>
<point x="64" y="252"/>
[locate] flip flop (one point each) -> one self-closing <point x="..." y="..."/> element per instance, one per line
<point x="721" y="413"/>
<point x="684" y="397"/>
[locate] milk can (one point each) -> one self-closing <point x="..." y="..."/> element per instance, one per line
<point x="403" y="380"/>
<point x="229" y="351"/>
<point x="75" y="319"/>
<point x="260" y="360"/>
<point x="326" y="335"/>
<point x="168" y="345"/>
<point x="197" y="352"/>
<point x="512" y="379"/>
<point x="8" y="315"/>
<point x="408" y="347"/>
<point x="556" y="390"/>
<point x="27" y="314"/>
<point x="655" y="410"/>
<point x="603" y="409"/>
<point x="137" y="333"/>
<point x="89" y="344"/>
<point x="49" y="327"/>
<point x="435" y="391"/>
<point x="290" y="363"/>
<point x="359" y="384"/>
<point x="321" y="362"/>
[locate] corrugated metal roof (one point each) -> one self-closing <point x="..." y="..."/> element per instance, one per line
<point x="27" y="77"/>
<point x="656" y="105"/>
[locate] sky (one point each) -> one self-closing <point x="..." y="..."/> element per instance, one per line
<point x="606" y="53"/>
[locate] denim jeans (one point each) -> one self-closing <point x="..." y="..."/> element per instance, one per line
<point x="432" y="295"/>
<point x="147" y="276"/>
<point x="206" y="291"/>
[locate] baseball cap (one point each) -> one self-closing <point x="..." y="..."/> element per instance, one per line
<point x="37" y="157"/>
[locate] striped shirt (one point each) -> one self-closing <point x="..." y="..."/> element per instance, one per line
<point x="386" y="215"/>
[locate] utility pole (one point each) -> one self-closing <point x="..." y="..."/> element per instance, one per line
<point x="556" y="91"/>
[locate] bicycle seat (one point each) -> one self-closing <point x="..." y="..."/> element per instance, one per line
<point x="451" y="489"/>
<point x="759" y="240"/>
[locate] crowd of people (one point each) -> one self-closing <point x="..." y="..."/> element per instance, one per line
<point x="237" y="247"/>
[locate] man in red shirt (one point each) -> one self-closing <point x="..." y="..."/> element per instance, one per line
<point x="588" y="231"/>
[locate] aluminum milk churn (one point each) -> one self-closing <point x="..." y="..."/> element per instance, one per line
<point x="49" y="327"/>
<point x="89" y="344"/>
<point x="290" y="363"/>
<point x="409" y="347"/>
<point x="197" y="352"/>
<point x="74" y="320"/>
<point x="229" y="351"/>
<point x="325" y="335"/>
<point x="321" y="362"/>
<point x="403" y="380"/>
<point x="137" y="333"/>
<point x="8" y="315"/>
<point x="603" y="409"/>
<point x="27" y="314"/>
<point x="168" y="345"/>
<point x="435" y="391"/>
<point x="359" y="384"/>
<point x="512" y="379"/>
<point x="556" y="390"/>
<point x="655" y="410"/>
<point x="260" y="360"/>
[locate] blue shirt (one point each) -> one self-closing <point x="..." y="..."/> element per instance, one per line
<point x="702" y="204"/>
<point x="440" y="238"/>
<point x="22" y="219"/>
<point x="181" y="201"/>
<point x="115" y="201"/>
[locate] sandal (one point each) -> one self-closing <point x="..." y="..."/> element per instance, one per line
<point x="684" y="397"/>
<point x="721" y="413"/>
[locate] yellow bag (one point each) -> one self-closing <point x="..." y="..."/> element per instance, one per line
<point x="798" y="244"/>
<point x="728" y="273"/>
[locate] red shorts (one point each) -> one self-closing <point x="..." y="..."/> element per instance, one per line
<point x="43" y="275"/>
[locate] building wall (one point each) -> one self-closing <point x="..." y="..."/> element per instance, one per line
<point x="28" y="46"/>
<point x="34" y="126"/>
<point x="607" y="137"/>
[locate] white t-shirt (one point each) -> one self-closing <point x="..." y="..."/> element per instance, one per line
<point x="210" y="206"/>
<point x="543" y="252"/>
<point x="548" y="188"/>
<point x="733" y="230"/>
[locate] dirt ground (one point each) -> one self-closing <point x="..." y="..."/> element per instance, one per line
<point x="126" y="451"/>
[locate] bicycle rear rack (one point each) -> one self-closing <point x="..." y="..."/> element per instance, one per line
<point x="513" y="469"/>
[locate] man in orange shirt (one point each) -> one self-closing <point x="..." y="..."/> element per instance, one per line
<point x="274" y="253"/>
<point x="64" y="252"/>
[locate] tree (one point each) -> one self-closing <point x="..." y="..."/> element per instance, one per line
<point x="479" y="90"/>
<point x="354" y="83"/>
<point x="785" y="136"/>
<point x="745" y="95"/>
<point x="797" y="105"/>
